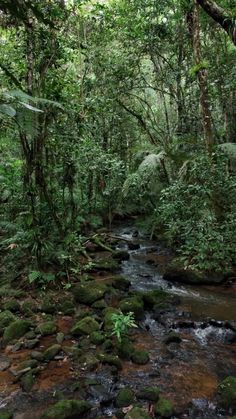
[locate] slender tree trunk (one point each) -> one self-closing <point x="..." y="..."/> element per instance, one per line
<point x="202" y="81"/>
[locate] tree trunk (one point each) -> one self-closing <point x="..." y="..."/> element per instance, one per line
<point x="220" y="16"/>
<point x="202" y="81"/>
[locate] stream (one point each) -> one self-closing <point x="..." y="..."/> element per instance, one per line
<point x="187" y="371"/>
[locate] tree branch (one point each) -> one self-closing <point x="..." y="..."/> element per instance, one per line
<point x="220" y="16"/>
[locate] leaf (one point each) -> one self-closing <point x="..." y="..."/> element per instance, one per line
<point x="33" y="276"/>
<point x="7" y="110"/>
<point x="31" y="108"/>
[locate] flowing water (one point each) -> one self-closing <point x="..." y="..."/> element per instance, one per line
<point x="188" y="373"/>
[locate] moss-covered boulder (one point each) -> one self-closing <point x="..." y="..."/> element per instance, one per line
<point x="120" y="283"/>
<point x="51" y="352"/>
<point x="97" y="338"/>
<point x="137" y="413"/>
<point x="12" y="305"/>
<point x="48" y="306"/>
<point x="134" y="305"/>
<point x="227" y="392"/>
<point x="46" y="328"/>
<point x="106" y="264"/>
<point x="154" y="298"/>
<point x="72" y="351"/>
<point x="108" y="313"/>
<point x="125" y="349"/>
<point x="140" y="357"/>
<point x="149" y="393"/>
<point x="110" y="360"/>
<point x="100" y="304"/>
<point x="67" y="409"/>
<point x="89" y="362"/>
<point x="67" y="307"/>
<point x="6" y="318"/>
<point x="86" y="326"/>
<point x="29" y="307"/>
<point x="164" y="408"/>
<point x="89" y="293"/>
<point x="16" y="330"/>
<point x="6" y="415"/>
<point x="125" y="397"/>
<point x="27" y="381"/>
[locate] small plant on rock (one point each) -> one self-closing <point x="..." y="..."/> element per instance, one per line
<point x="122" y="323"/>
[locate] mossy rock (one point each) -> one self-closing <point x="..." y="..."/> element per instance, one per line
<point x="106" y="264"/>
<point x="125" y="397"/>
<point x="6" y="318"/>
<point x="37" y="355"/>
<point x="48" y="306"/>
<point x="140" y="357"/>
<point x="110" y="360"/>
<point x="47" y="328"/>
<point x="51" y="352"/>
<point x="134" y="305"/>
<point x="100" y="304"/>
<point x="125" y="349"/>
<point x="154" y="298"/>
<point x="67" y="409"/>
<point x="164" y="408"/>
<point x="149" y="393"/>
<point x="72" y="351"/>
<point x="16" y="330"/>
<point x="108" y="313"/>
<point x="89" y="361"/>
<point x="86" y="326"/>
<point x="30" y="363"/>
<point x="27" y="381"/>
<point x="107" y="345"/>
<point x="137" y="413"/>
<point x="29" y="307"/>
<point x="6" y="415"/>
<point x="120" y="283"/>
<point x="67" y="307"/>
<point x="97" y="338"/>
<point x="227" y="392"/>
<point x="89" y="293"/>
<point x="12" y="305"/>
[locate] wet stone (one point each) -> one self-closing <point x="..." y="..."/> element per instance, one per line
<point x="4" y="363"/>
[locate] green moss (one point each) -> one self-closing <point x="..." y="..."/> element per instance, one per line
<point x="47" y="328"/>
<point x="27" y="382"/>
<point x="51" y="352"/>
<point x="6" y="318"/>
<point x="6" y="415"/>
<point x="125" y="349"/>
<point x="16" y="330"/>
<point x="134" y="305"/>
<point x="90" y="292"/>
<point x="67" y="409"/>
<point x="28" y="307"/>
<point x="111" y="360"/>
<point x="149" y="393"/>
<point x="137" y="413"/>
<point x="85" y="326"/>
<point x="108" y="313"/>
<point x="89" y="362"/>
<point x="67" y="307"/>
<point x="97" y="338"/>
<point x="48" y="306"/>
<point x="120" y="283"/>
<point x="106" y="264"/>
<point x="72" y="351"/>
<point x="125" y="397"/>
<point x="154" y="297"/>
<point x="12" y="305"/>
<point x="164" y="408"/>
<point x="140" y="357"/>
<point x="227" y="392"/>
<point x="100" y="304"/>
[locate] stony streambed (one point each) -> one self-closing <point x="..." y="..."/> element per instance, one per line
<point x="171" y="366"/>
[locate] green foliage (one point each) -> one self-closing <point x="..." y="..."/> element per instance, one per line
<point x="198" y="215"/>
<point x="41" y="279"/>
<point x="122" y="323"/>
